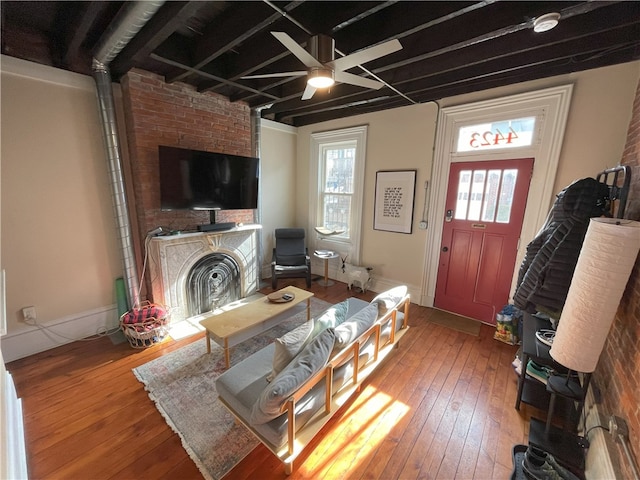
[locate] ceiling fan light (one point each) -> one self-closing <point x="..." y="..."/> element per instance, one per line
<point x="321" y="78"/>
<point x="546" y="22"/>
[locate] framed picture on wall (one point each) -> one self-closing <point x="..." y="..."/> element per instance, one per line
<point x="393" y="209"/>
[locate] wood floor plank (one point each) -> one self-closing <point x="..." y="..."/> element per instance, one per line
<point x="470" y="457"/>
<point x="489" y="446"/>
<point x="384" y="411"/>
<point x="440" y="390"/>
<point x="401" y="386"/>
<point x="450" y="397"/>
<point x="453" y="450"/>
<point x="153" y="463"/>
<point x="441" y="406"/>
<point x="78" y="401"/>
<point x="366" y="426"/>
<point x="63" y="433"/>
<point x="101" y="459"/>
<point x="185" y="470"/>
<point x="422" y="401"/>
<point x="486" y="455"/>
<point x="511" y="429"/>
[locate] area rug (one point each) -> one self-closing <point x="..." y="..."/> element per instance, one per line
<point x="455" y="322"/>
<point x="182" y="385"/>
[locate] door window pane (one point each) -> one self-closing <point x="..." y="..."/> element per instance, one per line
<point x="507" y="191"/>
<point x="491" y="195"/>
<point x="477" y="190"/>
<point x="462" y="201"/>
<point x="485" y="195"/>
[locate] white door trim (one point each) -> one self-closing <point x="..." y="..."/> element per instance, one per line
<point x="551" y="107"/>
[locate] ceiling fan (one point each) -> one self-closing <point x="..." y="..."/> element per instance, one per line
<point x="323" y="69"/>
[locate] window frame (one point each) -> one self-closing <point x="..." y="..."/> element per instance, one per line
<point x="346" y="246"/>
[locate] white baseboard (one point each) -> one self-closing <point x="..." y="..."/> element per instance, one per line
<point x="58" y="332"/>
<point x="426" y="300"/>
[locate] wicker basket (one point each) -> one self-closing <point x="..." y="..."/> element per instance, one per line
<point x="145" y="325"/>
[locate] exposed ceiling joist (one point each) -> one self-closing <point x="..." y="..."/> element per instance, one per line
<point x="448" y="48"/>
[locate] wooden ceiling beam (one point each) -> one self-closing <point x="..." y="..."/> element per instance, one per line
<point x="222" y="35"/>
<point x="80" y="31"/>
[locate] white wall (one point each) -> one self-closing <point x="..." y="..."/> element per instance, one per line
<point x="598" y="122"/>
<point x="277" y="183"/>
<point x="59" y="244"/>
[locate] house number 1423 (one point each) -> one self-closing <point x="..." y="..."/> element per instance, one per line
<point x="491" y="138"/>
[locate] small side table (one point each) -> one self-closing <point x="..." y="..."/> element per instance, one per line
<point x="326" y="255"/>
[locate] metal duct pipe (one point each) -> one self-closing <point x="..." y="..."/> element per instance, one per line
<point x="106" y="108"/>
<point x="255" y="148"/>
<point x="120" y="32"/>
<point x="123" y="28"/>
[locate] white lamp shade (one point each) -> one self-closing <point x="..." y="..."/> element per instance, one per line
<point x="607" y="257"/>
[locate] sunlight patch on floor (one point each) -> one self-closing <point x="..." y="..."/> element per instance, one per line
<point x="357" y="435"/>
<point x="184" y="329"/>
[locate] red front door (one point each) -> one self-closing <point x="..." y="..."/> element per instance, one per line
<point x="482" y="224"/>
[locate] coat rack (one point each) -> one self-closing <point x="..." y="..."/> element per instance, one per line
<point x="613" y="177"/>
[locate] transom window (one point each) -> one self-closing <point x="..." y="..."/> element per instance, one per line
<point x="485" y="195"/>
<point x="513" y="133"/>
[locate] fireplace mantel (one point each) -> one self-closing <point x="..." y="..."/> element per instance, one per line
<point x="171" y="258"/>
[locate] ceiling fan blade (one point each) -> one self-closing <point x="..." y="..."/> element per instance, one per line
<point x="308" y="92"/>
<point x="281" y="74"/>
<point x="304" y="56"/>
<point x="344" y="77"/>
<point x="366" y="55"/>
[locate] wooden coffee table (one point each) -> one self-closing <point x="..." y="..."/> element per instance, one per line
<point x="235" y="326"/>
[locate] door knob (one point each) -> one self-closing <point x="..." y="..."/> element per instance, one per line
<point x="448" y="216"/>
<point x="445" y="249"/>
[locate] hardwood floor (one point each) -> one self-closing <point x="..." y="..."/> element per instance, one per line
<point x="441" y="406"/>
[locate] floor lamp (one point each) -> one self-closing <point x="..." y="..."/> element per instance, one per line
<point x="606" y="259"/>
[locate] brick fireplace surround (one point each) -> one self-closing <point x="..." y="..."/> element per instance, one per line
<point x="158" y="113"/>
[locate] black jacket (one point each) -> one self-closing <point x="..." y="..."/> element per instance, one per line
<point x="551" y="257"/>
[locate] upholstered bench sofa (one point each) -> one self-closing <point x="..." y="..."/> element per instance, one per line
<point x="286" y="392"/>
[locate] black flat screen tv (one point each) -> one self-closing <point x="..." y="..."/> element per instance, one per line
<point x="198" y="180"/>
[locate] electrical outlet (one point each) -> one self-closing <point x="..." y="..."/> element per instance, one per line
<point x="29" y="314"/>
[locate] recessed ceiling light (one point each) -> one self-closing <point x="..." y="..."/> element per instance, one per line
<point x="546" y="22"/>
